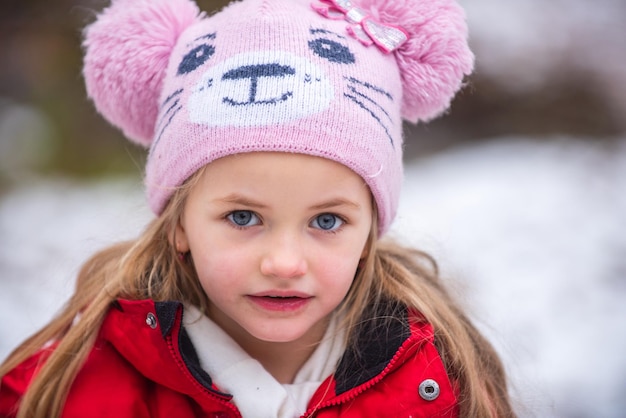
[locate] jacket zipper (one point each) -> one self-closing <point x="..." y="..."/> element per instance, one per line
<point x="183" y="368"/>
<point x="355" y="392"/>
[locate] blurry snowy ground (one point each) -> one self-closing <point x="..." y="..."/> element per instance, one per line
<point x="531" y="235"/>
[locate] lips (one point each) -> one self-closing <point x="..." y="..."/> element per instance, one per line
<point x="280" y="301"/>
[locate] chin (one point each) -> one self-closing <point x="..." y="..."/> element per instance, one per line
<point x="277" y="337"/>
<point x="278" y="334"/>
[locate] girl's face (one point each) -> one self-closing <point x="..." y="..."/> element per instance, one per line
<point x="275" y="239"/>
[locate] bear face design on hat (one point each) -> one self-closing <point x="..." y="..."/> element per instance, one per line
<point x="273" y="75"/>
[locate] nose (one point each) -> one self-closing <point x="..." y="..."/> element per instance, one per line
<point x="284" y="259"/>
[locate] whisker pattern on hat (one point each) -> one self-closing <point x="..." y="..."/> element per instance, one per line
<point x="358" y="95"/>
<point x="167" y="116"/>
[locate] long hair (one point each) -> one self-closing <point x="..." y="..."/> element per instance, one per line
<point x="149" y="267"/>
<point x="411" y="277"/>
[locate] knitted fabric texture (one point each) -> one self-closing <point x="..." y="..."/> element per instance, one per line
<point x="271" y="75"/>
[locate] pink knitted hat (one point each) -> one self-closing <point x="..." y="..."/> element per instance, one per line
<point x="331" y="78"/>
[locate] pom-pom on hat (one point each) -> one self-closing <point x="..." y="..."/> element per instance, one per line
<point x="329" y="78"/>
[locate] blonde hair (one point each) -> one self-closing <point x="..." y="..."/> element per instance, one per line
<point x="149" y="267"/>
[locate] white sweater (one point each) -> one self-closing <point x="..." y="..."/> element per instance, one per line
<point x="255" y="392"/>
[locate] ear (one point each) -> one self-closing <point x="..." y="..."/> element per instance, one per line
<point x="435" y="58"/>
<point x="369" y="245"/>
<point x="127" y="50"/>
<point x="366" y="250"/>
<point x="179" y="238"/>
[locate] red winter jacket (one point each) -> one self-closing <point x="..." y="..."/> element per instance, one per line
<point x="144" y="365"/>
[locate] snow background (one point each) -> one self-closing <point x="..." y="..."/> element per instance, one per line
<point x="530" y="233"/>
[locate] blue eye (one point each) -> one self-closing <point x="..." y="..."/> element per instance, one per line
<point x="243" y="218"/>
<point x="327" y="222"/>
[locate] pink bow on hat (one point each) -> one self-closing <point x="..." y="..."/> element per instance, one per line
<point x="363" y="26"/>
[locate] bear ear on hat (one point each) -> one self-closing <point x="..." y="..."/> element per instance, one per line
<point x="435" y="58"/>
<point x="127" y="50"/>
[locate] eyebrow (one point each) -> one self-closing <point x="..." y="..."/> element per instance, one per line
<point x="241" y="200"/>
<point x="333" y="203"/>
<point x="244" y="201"/>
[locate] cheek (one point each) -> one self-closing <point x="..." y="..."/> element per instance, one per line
<point x="337" y="268"/>
<point x="217" y="268"/>
<point x="345" y="252"/>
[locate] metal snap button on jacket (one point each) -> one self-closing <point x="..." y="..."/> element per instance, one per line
<point x="429" y="390"/>
<point x="151" y="320"/>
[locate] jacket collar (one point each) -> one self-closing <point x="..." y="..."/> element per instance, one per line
<point x="380" y="334"/>
<point x="377" y="339"/>
<point x="167" y="313"/>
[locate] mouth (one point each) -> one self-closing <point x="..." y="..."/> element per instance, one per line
<point x="280" y="302"/>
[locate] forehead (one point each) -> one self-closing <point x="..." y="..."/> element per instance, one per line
<point x="282" y="181"/>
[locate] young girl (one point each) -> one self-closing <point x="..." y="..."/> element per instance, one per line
<point x="262" y="288"/>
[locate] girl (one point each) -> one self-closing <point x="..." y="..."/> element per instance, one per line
<point x="262" y="288"/>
